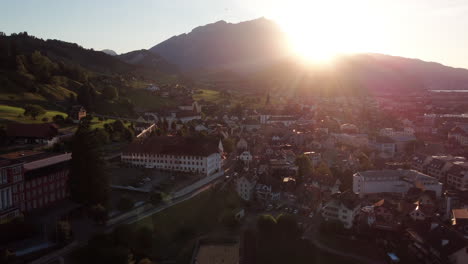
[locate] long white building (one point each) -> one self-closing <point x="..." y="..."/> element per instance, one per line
<point x="393" y="181"/>
<point x="175" y="154"/>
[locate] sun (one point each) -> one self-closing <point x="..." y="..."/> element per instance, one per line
<point x="318" y="31"/>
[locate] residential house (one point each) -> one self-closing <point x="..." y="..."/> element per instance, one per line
<point x="457" y="176"/>
<point x="460" y="134"/>
<point x="267" y="192"/>
<point x="245" y="186"/>
<point x="385" y="147"/>
<point x="242" y="144"/>
<point x="460" y="221"/>
<point x="439" y="245"/>
<point x="77" y="112"/>
<point x="246" y="157"/>
<point x="342" y="207"/>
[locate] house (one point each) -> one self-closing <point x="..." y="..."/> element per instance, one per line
<point x="401" y="141"/>
<point x="418" y="214"/>
<point x="419" y="162"/>
<point x="77" y="112"/>
<point x="460" y="134"/>
<point x="251" y="125"/>
<point x="209" y="252"/>
<point x="245" y="186"/>
<point x="388" y="132"/>
<point x="385" y="146"/>
<point x="385" y="215"/>
<point x="457" y="176"/>
<point x="460" y="221"/>
<point x="246" y="157"/>
<point x="439" y="245"/>
<point x="342" y="207"/>
<point x="393" y="181"/>
<point x="174" y="153"/>
<point x="32" y="133"/>
<point x="266" y="192"/>
<point x="189" y="104"/>
<point x="314" y="157"/>
<point x="152" y="88"/>
<point x="438" y="166"/>
<point x="242" y="144"/>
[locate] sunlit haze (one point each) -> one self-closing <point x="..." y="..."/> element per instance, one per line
<point x="424" y="29"/>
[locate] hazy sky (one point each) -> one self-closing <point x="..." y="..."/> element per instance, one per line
<point x="434" y="30"/>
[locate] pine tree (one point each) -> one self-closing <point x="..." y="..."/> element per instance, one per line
<point x="89" y="182"/>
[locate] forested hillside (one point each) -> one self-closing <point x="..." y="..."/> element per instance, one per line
<point x="58" y="74"/>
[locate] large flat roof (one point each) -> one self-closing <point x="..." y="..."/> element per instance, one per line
<point x="218" y="253"/>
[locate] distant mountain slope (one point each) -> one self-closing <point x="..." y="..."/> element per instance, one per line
<point x="225" y="45"/>
<point x="109" y="52"/>
<point x="361" y="73"/>
<point x="145" y="58"/>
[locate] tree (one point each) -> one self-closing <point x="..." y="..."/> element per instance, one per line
<point x="109" y="92"/>
<point x="59" y="119"/>
<point x="322" y="170"/>
<point x="33" y="110"/>
<point x="156" y="198"/>
<point x="89" y="181"/>
<point x="304" y="165"/>
<point x="125" y="203"/>
<point x="228" y="145"/>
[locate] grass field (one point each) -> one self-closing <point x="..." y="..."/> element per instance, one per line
<point x="207" y="95"/>
<point x="12" y="113"/>
<point x="147" y="101"/>
<point x="177" y="227"/>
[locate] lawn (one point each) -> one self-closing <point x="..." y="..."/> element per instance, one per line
<point x="147" y="101"/>
<point x="177" y="227"/>
<point x="207" y="95"/>
<point x="12" y="113"/>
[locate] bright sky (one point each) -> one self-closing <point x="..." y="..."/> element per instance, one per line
<point x="433" y="30"/>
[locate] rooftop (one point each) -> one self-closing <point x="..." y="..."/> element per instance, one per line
<point x="174" y="145"/>
<point x="47" y="161"/>
<point x="460" y="213"/>
<point x="218" y="253"/>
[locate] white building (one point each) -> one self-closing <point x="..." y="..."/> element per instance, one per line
<point x="175" y="154"/>
<point x="390" y="132"/>
<point x="457" y="176"/>
<point x="245" y="187"/>
<point x="459" y="134"/>
<point x="246" y="157"/>
<point x="343" y="207"/>
<point x="242" y="144"/>
<point x="393" y="181"/>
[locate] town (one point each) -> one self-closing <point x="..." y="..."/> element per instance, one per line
<point x="332" y="168"/>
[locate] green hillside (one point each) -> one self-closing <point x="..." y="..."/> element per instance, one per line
<point x="56" y="75"/>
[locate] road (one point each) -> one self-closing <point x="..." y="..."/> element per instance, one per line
<point x="312" y="235"/>
<point x="83" y="237"/>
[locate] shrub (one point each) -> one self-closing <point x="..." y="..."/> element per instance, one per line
<point x="125" y="203"/>
<point x="45" y="119"/>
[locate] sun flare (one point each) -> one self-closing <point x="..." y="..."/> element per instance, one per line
<point x="320" y="30"/>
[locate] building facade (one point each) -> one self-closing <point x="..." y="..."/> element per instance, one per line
<point x="393" y="181"/>
<point x="46" y="181"/>
<point x="175" y="154"/>
<point x="11" y="189"/>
